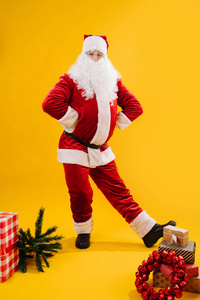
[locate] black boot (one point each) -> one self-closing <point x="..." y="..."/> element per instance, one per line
<point x="83" y="241"/>
<point x="155" y="234"/>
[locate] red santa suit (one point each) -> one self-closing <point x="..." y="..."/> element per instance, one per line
<point x="88" y="125"/>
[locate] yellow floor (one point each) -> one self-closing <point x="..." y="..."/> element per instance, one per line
<point x="104" y="271"/>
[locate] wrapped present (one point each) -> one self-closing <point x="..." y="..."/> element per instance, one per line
<point x="188" y="252"/>
<point x="193" y="284"/>
<point x="9" y="254"/>
<point x="159" y="280"/>
<point x="192" y="270"/>
<point x="8" y="264"/>
<point x="167" y="270"/>
<point x="175" y="235"/>
<point x="8" y="229"/>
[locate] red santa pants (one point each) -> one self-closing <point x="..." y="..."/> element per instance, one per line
<point x="108" y="181"/>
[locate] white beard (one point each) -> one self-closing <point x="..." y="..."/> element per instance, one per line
<point x="95" y="77"/>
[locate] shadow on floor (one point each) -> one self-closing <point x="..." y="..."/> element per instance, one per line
<point x="133" y="295"/>
<point x="69" y="246"/>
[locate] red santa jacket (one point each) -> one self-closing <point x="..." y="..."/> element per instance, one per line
<point x="91" y="120"/>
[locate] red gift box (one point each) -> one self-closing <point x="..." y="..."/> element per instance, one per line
<point x="166" y="270"/>
<point x="193" y="284"/>
<point x="191" y="269"/>
<point x="8" y="264"/>
<point x="9" y="254"/>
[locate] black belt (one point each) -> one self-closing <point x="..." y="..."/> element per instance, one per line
<point x="93" y="146"/>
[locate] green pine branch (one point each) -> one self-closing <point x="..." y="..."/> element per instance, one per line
<point x="41" y="246"/>
<point x="23" y="236"/>
<point x="38" y="223"/>
<point x="22" y="264"/>
<point x="45" y="260"/>
<point x="49" y="231"/>
<point x="50" y="247"/>
<point x="48" y="239"/>
<point x="29" y="235"/>
<point x="38" y="262"/>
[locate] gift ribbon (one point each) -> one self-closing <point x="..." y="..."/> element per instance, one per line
<point x="173" y="239"/>
<point x="4" y="250"/>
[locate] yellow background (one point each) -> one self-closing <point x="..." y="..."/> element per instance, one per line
<point x="155" y="46"/>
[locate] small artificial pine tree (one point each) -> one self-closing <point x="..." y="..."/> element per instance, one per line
<point x="42" y="245"/>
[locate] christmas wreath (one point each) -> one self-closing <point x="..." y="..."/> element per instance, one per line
<point x="153" y="262"/>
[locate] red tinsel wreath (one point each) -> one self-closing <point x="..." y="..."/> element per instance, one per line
<point x="153" y="262"/>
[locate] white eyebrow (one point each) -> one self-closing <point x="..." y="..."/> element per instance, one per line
<point x="92" y="51"/>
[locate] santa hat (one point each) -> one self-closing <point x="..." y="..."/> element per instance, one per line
<point x="95" y="42"/>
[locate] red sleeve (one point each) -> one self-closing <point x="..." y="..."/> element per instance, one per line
<point x="56" y="102"/>
<point x="131" y="107"/>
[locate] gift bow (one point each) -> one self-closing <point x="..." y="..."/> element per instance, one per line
<point x="173" y="239"/>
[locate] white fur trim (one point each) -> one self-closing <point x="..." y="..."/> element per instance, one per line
<point x="94" y="157"/>
<point x="69" y="119"/>
<point x="70" y="156"/>
<point x="92" y="43"/>
<point x="84" y="227"/>
<point x="142" y="224"/>
<point x="104" y="119"/>
<point x="122" y="120"/>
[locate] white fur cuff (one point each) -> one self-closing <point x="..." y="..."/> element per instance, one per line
<point x="69" y="118"/>
<point x="84" y="227"/>
<point x="142" y="224"/>
<point x="122" y="120"/>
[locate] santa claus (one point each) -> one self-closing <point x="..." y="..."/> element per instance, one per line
<point x="85" y="102"/>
